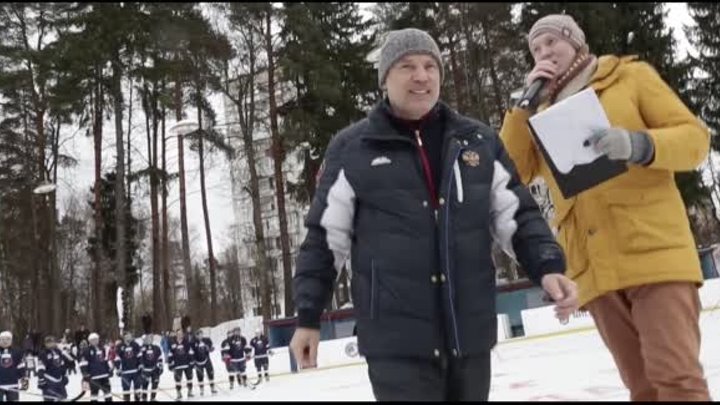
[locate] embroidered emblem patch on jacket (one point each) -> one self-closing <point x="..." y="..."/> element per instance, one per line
<point x="471" y="158"/>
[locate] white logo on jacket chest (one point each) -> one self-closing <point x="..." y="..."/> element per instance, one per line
<point x="380" y="160"/>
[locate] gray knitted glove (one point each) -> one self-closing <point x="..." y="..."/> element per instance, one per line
<point x="619" y="144"/>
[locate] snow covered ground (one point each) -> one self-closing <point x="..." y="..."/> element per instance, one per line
<point x="570" y="366"/>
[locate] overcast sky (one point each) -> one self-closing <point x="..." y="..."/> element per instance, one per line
<point x="77" y="181"/>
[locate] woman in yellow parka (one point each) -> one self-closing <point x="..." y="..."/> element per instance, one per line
<point x="628" y="240"/>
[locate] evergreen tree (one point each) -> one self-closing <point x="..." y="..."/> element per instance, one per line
<point x="704" y="93"/>
<point x="705" y="85"/>
<point x="31" y="121"/>
<point x="109" y="244"/>
<point x="323" y="61"/>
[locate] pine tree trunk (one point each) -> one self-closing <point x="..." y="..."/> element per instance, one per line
<point x="158" y="310"/>
<point x="245" y="103"/>
<point x="59" y="288"/>
<point x="278" y="154"/>
<point x="120" y="214"/>
<point x="46" y="277"/>
<point x="208" y="234"/>
<point x="97" y="296"/>
<point x="187" y="268"/>
<point x="165" y="244"/>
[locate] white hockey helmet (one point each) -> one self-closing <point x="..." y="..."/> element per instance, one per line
<point x="5" y="339"/>
<point x="93" y="337"/>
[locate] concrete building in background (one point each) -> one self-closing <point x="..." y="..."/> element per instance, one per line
<point x="244" y="231"/>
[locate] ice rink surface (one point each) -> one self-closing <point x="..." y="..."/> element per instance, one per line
<point x="574" y="366"/>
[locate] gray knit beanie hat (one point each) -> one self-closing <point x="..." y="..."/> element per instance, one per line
<point x="404" y="42"/>
<point x="562" y="25"/>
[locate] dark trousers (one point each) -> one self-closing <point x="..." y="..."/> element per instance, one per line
<point x="444" y="379"/>
<point x="201" y="369"/>
<point x="54" y="390"/>
<point x="262" y="364"/>
<point x="188" y="378"/>
<point x="134" y="380"/>
<point x="9" y="396"/>
<point x="100" y="384"/>
<point x="150" y="378"/>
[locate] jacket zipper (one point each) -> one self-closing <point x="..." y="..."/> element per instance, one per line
<point x="447" y="259"/>
<point x="428" y="174"/>
<point x="373" y="287"/>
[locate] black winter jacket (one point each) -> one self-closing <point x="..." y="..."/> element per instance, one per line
<point x="423" y="279"/>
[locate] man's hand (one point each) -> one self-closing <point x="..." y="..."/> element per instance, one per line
<point x="563" y="292"/>
<point x="304" y="346"/>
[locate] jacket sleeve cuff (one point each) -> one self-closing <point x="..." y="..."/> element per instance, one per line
<point x="551" y="265"/>
<point x="643" y="149"/>
<point x="309" y="318"/>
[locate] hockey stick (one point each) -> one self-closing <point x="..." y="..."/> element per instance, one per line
<point x="74" y="399"/>
<point x="54" y="398"/>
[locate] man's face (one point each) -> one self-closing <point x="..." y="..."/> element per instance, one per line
<point x="549" y="46"/>
<point x="180" y="335"/>
<point x="51" y="344"/>
<point x="413" y="85"/>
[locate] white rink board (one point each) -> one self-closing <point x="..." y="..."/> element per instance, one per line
<point x="710" y="294"/>
<point x="504" y="332"/>
<point x="539" y="321"/>
<point x="338" y="352"/>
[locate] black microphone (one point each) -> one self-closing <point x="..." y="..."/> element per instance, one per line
<point x="532" y="92"/>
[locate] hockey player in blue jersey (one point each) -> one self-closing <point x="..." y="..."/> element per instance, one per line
<point x="203" y="363"/>
<point x="13" y="375"/>
<point x="95" y="368"/>
<point x="127" y="366"/>
<point x="225" y="355"/>
<point x="51" y="369"/>
<point x="261" y="350"/>
<point x="181" y="359"/>
<point x="235" y="351"/>
<point x="151" y="363"/>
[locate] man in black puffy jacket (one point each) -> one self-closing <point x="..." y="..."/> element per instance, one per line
<point x="415" y="194"/>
